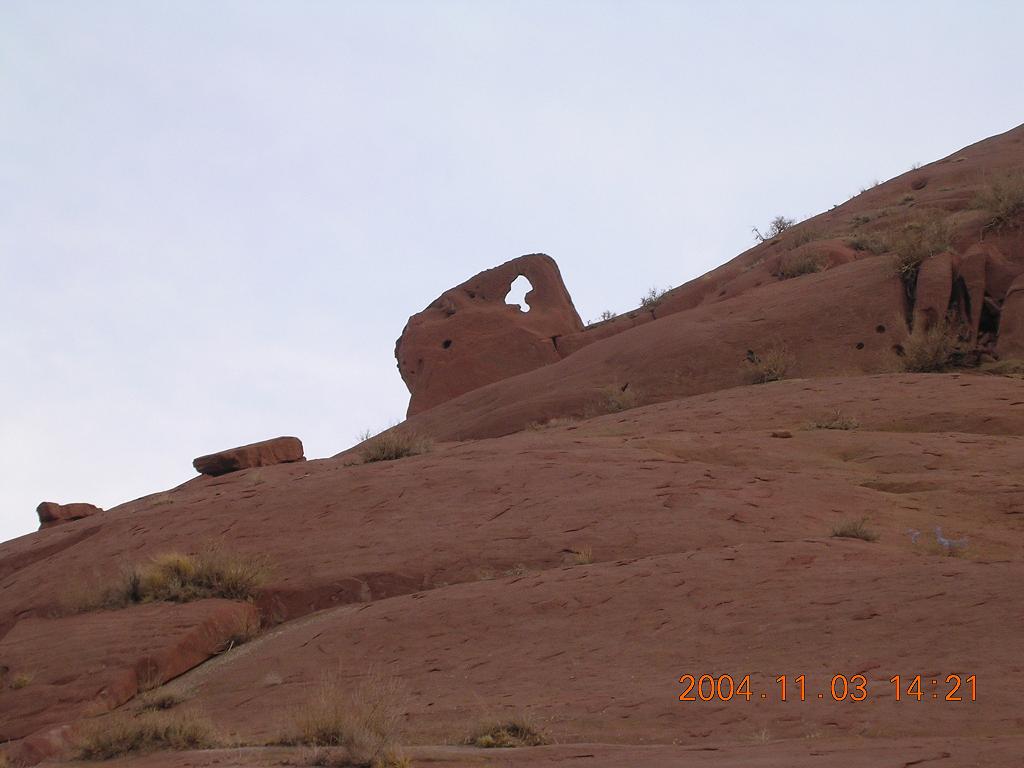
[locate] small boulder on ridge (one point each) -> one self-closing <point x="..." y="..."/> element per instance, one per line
<point x="51" y="514"/>
<point x="277" y="450"/>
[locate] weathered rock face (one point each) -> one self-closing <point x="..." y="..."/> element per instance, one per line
<point x="1011" y="325"/>
<point x="51" y="514"/>
<point x="469" y="336"/>
<point x="278" y="450"/>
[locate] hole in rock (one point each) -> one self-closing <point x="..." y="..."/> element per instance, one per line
<point x="879" y="329"/>
<point x="446" y="343"/>
<point x="860" y="345"/>
<point x="517" y="293"/>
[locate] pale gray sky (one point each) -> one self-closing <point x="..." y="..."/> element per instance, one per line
<point x="215" y="217"/>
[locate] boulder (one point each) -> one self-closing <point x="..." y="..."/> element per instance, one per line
<point x="1011" y="322"/>
<point x="469" y="336"/>
<point x="51" y="514"/>
<point x="278" y="450"/>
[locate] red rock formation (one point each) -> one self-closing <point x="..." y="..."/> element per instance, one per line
<point x="51" y="514"/>
<point x="1011" y="323"/>
<point x="277" y="450"/>
<point x="469" y="336"/>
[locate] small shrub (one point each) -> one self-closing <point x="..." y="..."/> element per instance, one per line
<point x="179" y="578"/>
<point x="652" y="297"/>
<point x="916" y="242"/>
<point x="1011" y="367"/>
<point x="803" y="236"/>
<point x="21" y="680"/>
<point x="607" y="315"/>
<point x="516" y="732"/>
<point x="364" y="720"/>
<point x="583" y="555"/>
<point x="558" y="421"/>
<point x="770" y="365"/>
<point x="615" y="399"/>
<point x="836" y="421"/>
<point x="395" y="444"/>
<point x="865" y="243"/>
<point x="794" y="265"/>
<point x="929" y="351"/>
<point x="777" y="226"/>
<point x="123" y="734"/>
<point x="1003" y="200"/>
<point x="854" y="529"/>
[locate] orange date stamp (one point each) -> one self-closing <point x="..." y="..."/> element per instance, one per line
<point x="839" y="688"/>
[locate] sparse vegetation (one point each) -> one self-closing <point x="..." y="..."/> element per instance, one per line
<point x="615" y="398"/>
<point x="854" y="529"/>
<point x="836" y="420"/>
<point x="652" y="297"/>
<point x="362" y="719"/>
<point x="1003" y="200"/>
<point x="607" y="315"/>
<point x="777" y="226"/>
<point x="123" y="734"/>
<point x="516" y="732"/>
<point x="866" y="243"/>
<point x="558" y="421"/>
<point x="929" y="351"/>
<point x="179" y="578"/>
<point x="794" y="265"/>
<point x="21" y="680"/>
<point x="583" y="555"/>
<point x="395" y="444"/>
<point x="159" y="701"/>
<point x="916" y="242"/>
<point x="803" y="236"/>
<point x="770" y="365"/>
<point x="1010" y="367"/>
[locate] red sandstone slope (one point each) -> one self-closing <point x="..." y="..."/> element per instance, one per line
<point x="708" y="514"/>
<point x="853" y="317"/>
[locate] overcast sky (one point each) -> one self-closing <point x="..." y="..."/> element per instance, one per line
<point x="216" y="217"/>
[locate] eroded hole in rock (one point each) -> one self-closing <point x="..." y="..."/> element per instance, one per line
<point x="517" y="293"/>
<point x="879" y="329"/>
<point x="446" y="343"/>
<point x="860" y="345"/>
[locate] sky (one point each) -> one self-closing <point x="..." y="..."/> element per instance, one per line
<point x="216" y="217"/>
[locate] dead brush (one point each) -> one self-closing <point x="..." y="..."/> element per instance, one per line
<point x="179" y="578"/>
<point x="797" y="264"/>
<point x="362" y="719"/>
<point x="836" y="420"/>
<point x="929" y="351"/>
<point x="395" y="444"/>
<point x="770" y="365"/>
<point x="519" y="731"/>
<point x="854" y="529"/>
<point x="1003" y="200"/>
<point x="916" y="242"/>
<point x="124" y="734"/>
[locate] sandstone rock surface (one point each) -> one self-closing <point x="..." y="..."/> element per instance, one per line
<point x="1011" y="323"/>
<point x="469" y="336"/>
<point x="51" y="514"/>
<point x="278" y="450"/>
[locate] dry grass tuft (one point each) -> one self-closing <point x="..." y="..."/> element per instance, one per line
<point x="363" y="719"/>
<point x="123" y="734"/>
<point x="916" y="242"/>
<point x="516" y="732"/>
<point x="179" y="578"/>
<point x="770" y="365"/>
<point x="796" y="264"/>
<point x="159" y="701"/>
<point x="1003" y="200"/>
<point x="21" y="680"/>
<point x="1010" y="367"/>
<point x="583" y="555"/>
<point x="854" y="529"/>
<point x="929" y="351"/>
<point x="395" y="444"/>
<point x="836" y="420"/>
<point x="558" y="421"/>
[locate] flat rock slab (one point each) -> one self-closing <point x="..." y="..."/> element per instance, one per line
<point x="266" y="453"/>
<point x="51" y="514"/>
<point x="60" y="669"/>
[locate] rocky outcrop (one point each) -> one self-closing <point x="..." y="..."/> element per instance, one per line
<point x="469" y="336"/>
<point x="278" y="450"/>
<point x="1011" y="322"/>
<point x="51" y="514"/>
